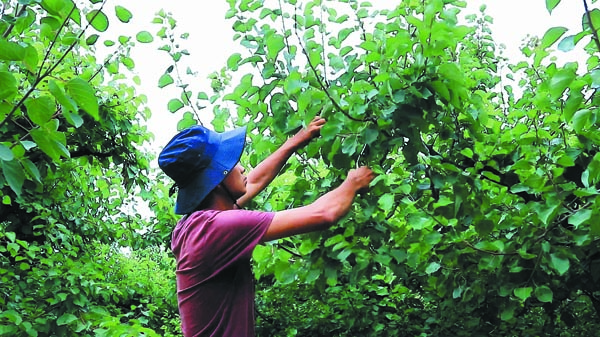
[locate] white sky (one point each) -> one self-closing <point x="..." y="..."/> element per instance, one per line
<point x="210" y="42"/>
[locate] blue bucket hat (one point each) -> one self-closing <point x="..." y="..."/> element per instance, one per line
<point x="198" y="159"/>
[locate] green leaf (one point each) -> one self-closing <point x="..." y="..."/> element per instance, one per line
<point x="284" y="273"/>
<point x="386" y="202"/>
<point x="551" y="4"/>
<point x="442" y="90"/>
<point x="11" y="236"/>
<point x="294" y="83"/>
<point x="595" y="75"/>
<point x="567" y="44"/>
<point x="432" y="268"/>
<point x="13" y="317"/>
<point x="40" y="109"/>
<point x="467" y="152"/>
<point x="144" y="37"/>
<point x="508" y="313"/>
<point x="50" y="140"/>
<point x="174" y="105"/>
<point x="334" y="240"/>
<point x="6" y="153"/>
<point x="233" y="61"/>
<point x="349" y="146"/>
<point x="14" y="175"/>
<point x="123" y="14"/>
<point x="370" y="135"/>
<point x="344" y="33"/>
<point x="187" y="121"/>
<point x="31" y="58"/>
<point x="32" y="170"/>
<point x="595" y="16"/>
<point x="165" y="80"/>
<point x="580" y="119"/>
<point x="523" y="293"/>
<point x="92" y="39"/>
<point x="13" y="248"/>
<point x="484" y="227"/>
<point x="98" y="20"/>
<point x="265" y="12"/>
<point x="560" y="82"/>
<point x="560" y="264"/>
<point x="66" y="319"/>
<point x="544" y="294"/>
<point x="566" y="161"/>
<point x="84" y="95"/>
<point x="331" y="129"/>
<point x="552" y="35"/>
<point x="11" y="51"/>
<point x="580" y="217"/>
<point x="9" y="85"/>
<point x="69" y="106"/>
<point x="275" y="44"/>
<point x="420" y="221"/>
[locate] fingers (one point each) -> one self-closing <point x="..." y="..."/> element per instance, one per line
<point x="362" y="178"/>
<point x="316" y="124"/>
<point x="318" y="121"/>
<point x="313" y="130"/>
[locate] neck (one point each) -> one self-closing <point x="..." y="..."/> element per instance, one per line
<point x="220" y="201"/>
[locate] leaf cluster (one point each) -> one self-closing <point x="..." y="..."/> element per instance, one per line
<point x="72" y="164"/>
<point x="484" y="206"/>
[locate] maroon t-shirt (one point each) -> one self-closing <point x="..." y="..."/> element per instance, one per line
<point x="215" y="284"/>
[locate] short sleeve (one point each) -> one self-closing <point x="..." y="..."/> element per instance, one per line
<point x="211" y="241"/>
<point x="235" y="233"/>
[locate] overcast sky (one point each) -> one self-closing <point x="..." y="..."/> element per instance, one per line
<point x="210" y="42"/>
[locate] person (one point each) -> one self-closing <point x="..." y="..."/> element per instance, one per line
<point x="214" y="239"/>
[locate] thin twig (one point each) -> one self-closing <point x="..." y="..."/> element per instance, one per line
<point x="487" y="251"/>
<point x="322" y="28"/>
<point x="289" y="251"/>
<point x="10" y="28"/>
<point x="285" y="36"/>
<point x="589" y="17"/>
<point x="318" y="78"/>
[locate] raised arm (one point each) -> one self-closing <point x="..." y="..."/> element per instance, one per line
<point x="267" y="170"/>
<point x="322" y="213"/>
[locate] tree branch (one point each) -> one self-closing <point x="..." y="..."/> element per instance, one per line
<point x="41" y="76"/>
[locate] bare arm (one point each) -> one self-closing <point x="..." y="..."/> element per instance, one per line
<point x="263" y="174"/>
<point x="322" y="213"/>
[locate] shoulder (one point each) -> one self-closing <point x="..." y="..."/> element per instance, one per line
<point x="236" y="217"/>
<point x="240" y="216"/>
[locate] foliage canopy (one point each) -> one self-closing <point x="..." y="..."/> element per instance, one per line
<point x="481" y="220"/>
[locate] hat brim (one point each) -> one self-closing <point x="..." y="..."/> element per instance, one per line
<point x="231" y="144"/>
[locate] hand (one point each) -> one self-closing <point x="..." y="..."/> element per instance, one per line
<point x="313" y="130"/>
<point x="361" y="178"/>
